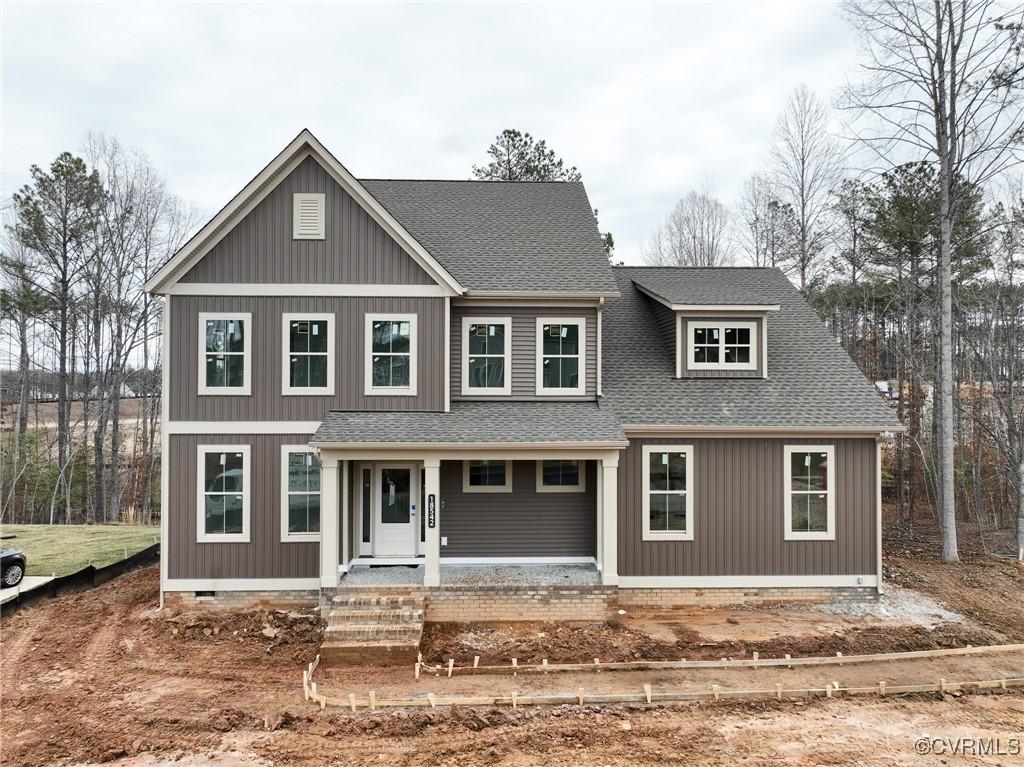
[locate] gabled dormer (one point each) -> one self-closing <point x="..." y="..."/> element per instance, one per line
<point x="711" y="329"/>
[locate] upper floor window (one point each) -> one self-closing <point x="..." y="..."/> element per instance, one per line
<point x="560" y="356"/>
<point x="667" y="493"/>
<point x="308" y="346"/>
<point x="487" y="476"/>
<point x="486" y="342"/>
<point x="300" y="494"/>
<point x="810" y="505"/>
<point x="308" y="213"/>
<point x="561" y="476"/>
<point x="224" y="353"/>
<point x="728" y="345"/>
<point x="223" y="473"/>
<point x="391" y="354"/>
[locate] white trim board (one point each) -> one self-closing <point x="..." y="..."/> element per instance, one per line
<point x="469" y="561"/>
<point x="304" y="289"/>
<point x="241" y="427"/>
<point x="707" y="307"/>
<point x="298" y="149"/>
<point x="744" y="581"/>
<point x="242" y="584"/>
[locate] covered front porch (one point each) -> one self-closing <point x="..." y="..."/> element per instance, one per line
<point x="427" y="511"/>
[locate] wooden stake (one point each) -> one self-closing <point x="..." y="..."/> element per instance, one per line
<point x="715" y="689"/>
<point x="433" y="699"/>
<point x="579" y="695"/>
<point x="515" y="664"/>
<point x="544" y="665"/>
<point x="647" y="692"/>
<point x="373" y="701"/>
<point x="352" y="701"/>
<point x="476" y="661"/>
<point x="778" y="692"/>
<point x="789" y="658"/>
<point x="515" y="699"/>
<point x="881" y="689"/>
<point x="828" y="691"/>
<point x="756" y="655"/>
<point x="942" y="686"/>
<point x="451" y="667"/>
<point x="417" y="669"/>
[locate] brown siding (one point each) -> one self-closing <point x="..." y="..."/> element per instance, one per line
<point x="524" y="346"/>
<point x="687" y="373"/>
<point x="738" y="513"/>
<point x="260" y="247"/>
<point x="266" y="402"/>
<point x="523" y="523"/>
<point x="264" y="556"/>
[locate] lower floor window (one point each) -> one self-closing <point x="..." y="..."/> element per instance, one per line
<point x="223" y="492"/>
<point x="301" y="493"/>
<point x="667" y="492"/>
<point x="487" y="477"/>
<point x="810" y="501"/>
<point x="560" y="476"/>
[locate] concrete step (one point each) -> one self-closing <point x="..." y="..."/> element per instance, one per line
<point x="354" y="601"/>
<point x="380" y="653"/>
<point x="389" y="616"/>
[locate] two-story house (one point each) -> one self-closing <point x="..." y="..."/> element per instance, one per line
<point x="449" y="373"/>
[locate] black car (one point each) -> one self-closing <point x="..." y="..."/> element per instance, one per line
<point x="12" y="567"/>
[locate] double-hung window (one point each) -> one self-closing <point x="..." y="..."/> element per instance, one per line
<point x="225" y="358"/>
<point x="308" y="344"/>
<point x="487" y="476"/>
<point x="391" y="354"/>
<point x="561" y="356"/>
<point x="727" y="345"/>
<point x="810" y="504"/>
<point x="223" y="479"/>
<point x="486" y="343"/>
<point x="300" y="494"/>
<point x="667" y="492"/>
<point x="561" y="476"/>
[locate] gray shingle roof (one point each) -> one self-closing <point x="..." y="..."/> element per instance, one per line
<point x="503" y="236"/>
<point x="704" y="286"/>
<point x="812" y="382"/>
<point x="478" y="423"/>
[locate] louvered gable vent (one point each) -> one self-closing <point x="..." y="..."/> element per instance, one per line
<point x="308" y="216"/>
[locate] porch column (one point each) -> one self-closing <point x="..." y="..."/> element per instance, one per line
<point x="432" y="566"/>
<point x="328" y="521"/>
<point x="345" y="532"/>
<point x="609" y="478"/>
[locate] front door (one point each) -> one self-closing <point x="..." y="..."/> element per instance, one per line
<point x="395" y="503"/>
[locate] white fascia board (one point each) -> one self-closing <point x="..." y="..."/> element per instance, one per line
<point x="635" y="430"/>
<point x="302" y="146"/>
<point x="708" y="308"/>
<point x="544" y="296"/>
<point x="304" y="289"/>
<point x="745" y="581"/>
<point x="241" y="427"/>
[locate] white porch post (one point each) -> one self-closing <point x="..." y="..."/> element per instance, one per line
<point x="328" y="521"/>
<point x="432" y="566"/>
<point x="609" y="478"/>
<point x="599" y="482"/>
<point x="345" y="533"/>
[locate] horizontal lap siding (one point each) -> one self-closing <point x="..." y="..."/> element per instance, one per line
<point x="265" y="556"/>
<point x="524" y="346"/>
<point x="738" y="513"/>
<point x="523" y="523"/>
<point x="356" y="249"/>
<point x="266" y="403"/>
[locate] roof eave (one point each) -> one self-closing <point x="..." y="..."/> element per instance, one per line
<point x="757" y="308"/>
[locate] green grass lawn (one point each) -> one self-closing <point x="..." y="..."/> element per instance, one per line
<point x="64" y="549"/>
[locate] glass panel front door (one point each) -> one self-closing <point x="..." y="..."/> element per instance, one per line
<point x="395" y="518"/>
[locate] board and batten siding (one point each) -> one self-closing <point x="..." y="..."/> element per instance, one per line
<point x="738" y="512"/>
<point x="523" y="523"/>
<point x="524" y="348"/>
<point x="755" y="342"/>
<point x="264" y="556"/>
<point x="355" y="248"/>
<point x="266" y="403"/>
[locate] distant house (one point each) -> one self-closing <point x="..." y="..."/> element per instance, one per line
<point x="384" y="372"/>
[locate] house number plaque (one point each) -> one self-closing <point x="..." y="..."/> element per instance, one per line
<point x="431" y="511"/>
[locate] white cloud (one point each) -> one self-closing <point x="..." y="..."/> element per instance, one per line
<point x="644" y="99"/>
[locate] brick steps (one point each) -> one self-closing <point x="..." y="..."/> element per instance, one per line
<point x="373" y="629"/>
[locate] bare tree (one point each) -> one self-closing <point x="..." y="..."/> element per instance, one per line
<point x="942" y="84"/>
<point x="695" y="233"/>
<point x="766" y="224"/>
<point x="807" y="164"/>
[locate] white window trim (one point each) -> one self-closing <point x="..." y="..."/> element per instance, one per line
<point x="504" y="390"/>
<point x="401" y="391"/>
<point x="321" y="201"/>
<point x="229" y="391"/>
<point x="286" y="388"/>
<point x="581" y="389"/>
<point x="467" y="488"/>
<point x="286" y="535"/>
<point x="201" y="535"/>
<point x="578" y="488"/>
<point x="645" y="479"/>
<point x="693" y="325"/>
<point x="830" y="503"/>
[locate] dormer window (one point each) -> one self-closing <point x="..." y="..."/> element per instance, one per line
<point x="308" y="216"/>
<point x="725" y="345"/>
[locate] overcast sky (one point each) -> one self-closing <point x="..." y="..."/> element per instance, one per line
<point x="644" y="99"/>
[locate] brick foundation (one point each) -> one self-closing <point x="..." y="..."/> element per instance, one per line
<point x="648" y="598"/>
<point x="235" y="600"/>
<point x="466" y="604"/>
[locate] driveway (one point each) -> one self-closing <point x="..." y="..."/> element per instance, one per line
<point x="28" y="583"/>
